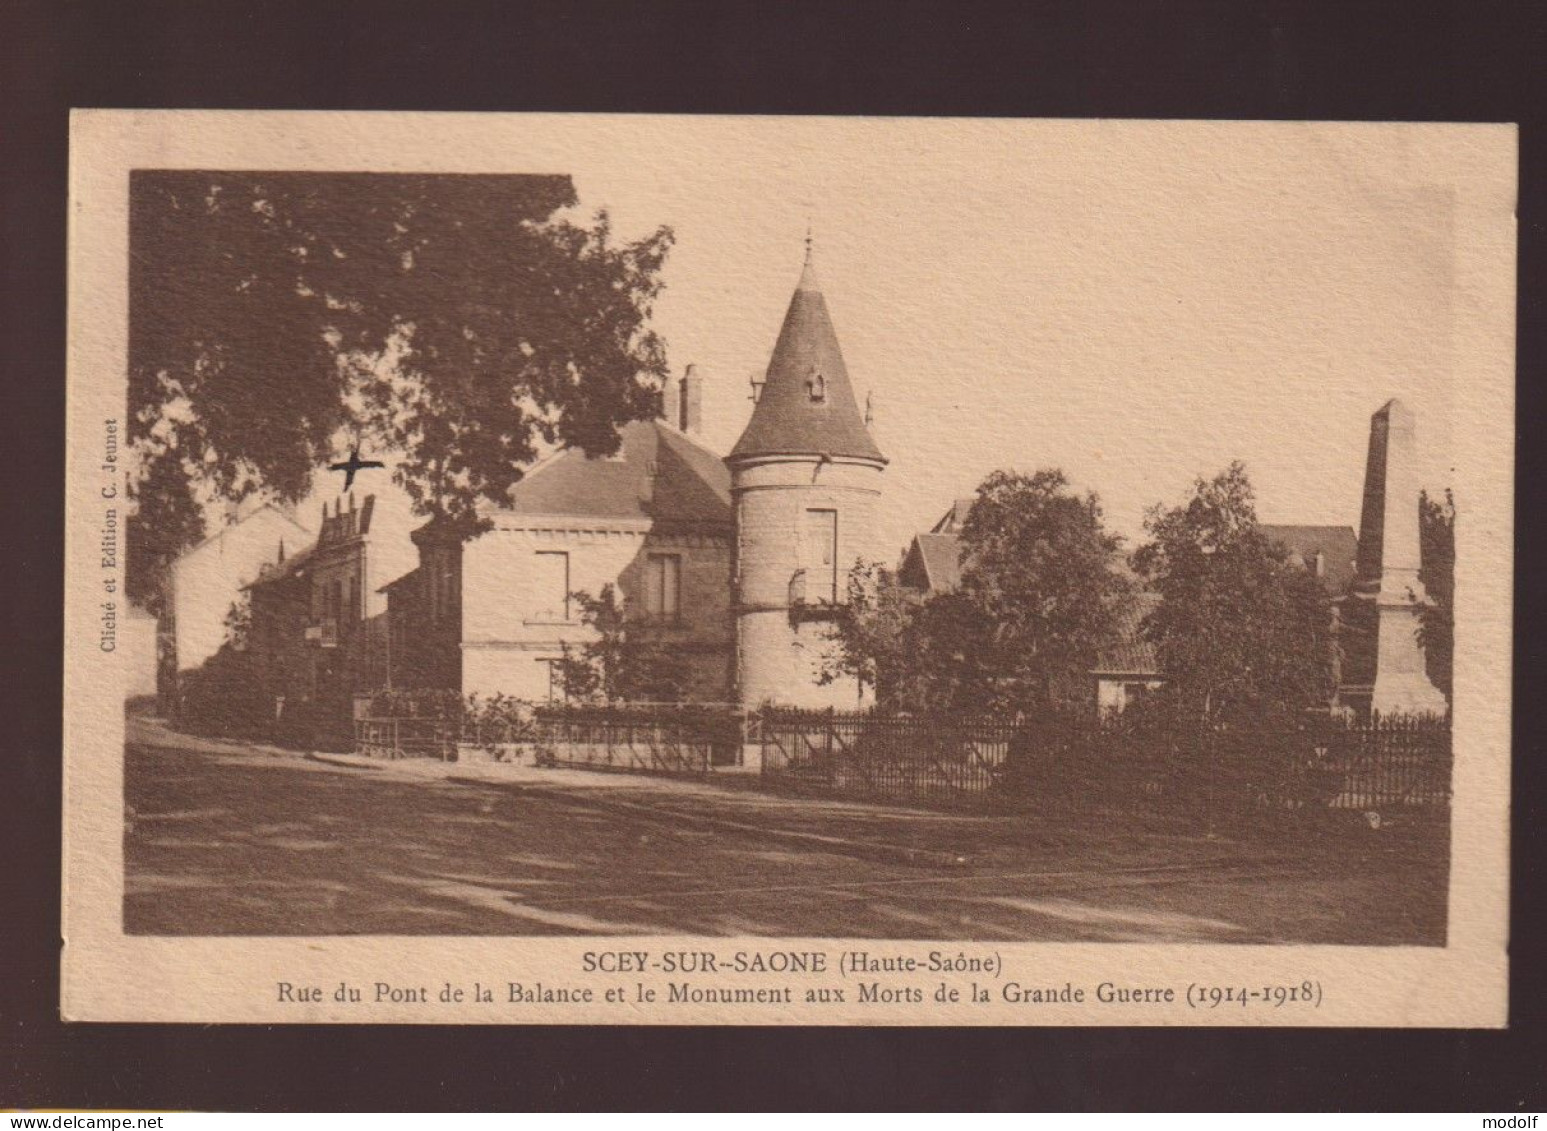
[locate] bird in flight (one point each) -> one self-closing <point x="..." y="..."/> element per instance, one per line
<point x="353" y="464"/>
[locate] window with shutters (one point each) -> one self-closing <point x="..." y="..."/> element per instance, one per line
<point x="663" y="586"/>
<point x="550" y="586"/>
<point x="820" y="545"/>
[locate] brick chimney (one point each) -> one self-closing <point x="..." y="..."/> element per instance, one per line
<point x="690" y="417"/>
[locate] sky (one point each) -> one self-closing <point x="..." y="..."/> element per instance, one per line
<point x="1135" y="303"/>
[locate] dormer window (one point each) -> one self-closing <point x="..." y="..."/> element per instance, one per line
<point x="816" y="386"/>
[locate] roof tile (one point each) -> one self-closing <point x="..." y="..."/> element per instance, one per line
<point x="658" y="473"/>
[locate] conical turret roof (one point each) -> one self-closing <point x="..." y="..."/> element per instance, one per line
<point x="789" y="419"/>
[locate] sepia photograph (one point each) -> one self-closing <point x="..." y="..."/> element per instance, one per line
<point x="855" y="551"/>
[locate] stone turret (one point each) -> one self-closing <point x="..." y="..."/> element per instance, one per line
<point x="805" y="478"/>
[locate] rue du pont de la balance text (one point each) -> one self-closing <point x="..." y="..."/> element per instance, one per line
<point x="881" y="977"/>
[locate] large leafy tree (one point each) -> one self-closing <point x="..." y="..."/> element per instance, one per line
<point x="1241" y="630"/>
<point x="1437" y="571"/>
<point x="1042" y="585"/>
<point x="456" y="320"/>
<point x="949" y="669"/>
<point x="1039" y="596"/>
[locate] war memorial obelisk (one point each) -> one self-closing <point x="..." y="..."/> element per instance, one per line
<point x="1388" y="566"/>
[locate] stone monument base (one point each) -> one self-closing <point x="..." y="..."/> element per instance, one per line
<point x="1402" y="684"/>
<point x="1407" y="693"/>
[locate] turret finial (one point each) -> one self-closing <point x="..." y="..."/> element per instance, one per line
<point x="808" y="270"/>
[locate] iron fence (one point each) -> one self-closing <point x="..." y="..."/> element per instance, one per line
<point x="670" y="740"/>
<point x="896" y="757"/>
<point x="1122" y="765"/>
<point x="1081" y="763"/>
<point x="407" y="738"/>
<point x="1390" y="763"/>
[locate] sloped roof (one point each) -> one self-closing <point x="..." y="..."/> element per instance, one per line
<point x="954" y="519"/>
<point x="246" y="515"/>
<point x="399" y="581"/>
<point x="787" y="421"/>
<point x="939" y="555"/>
<point x="658" y="474"/>
<point x="271" y="572"/>
<point x="933" y="560"/>
<point x="1338" y="546"/>
<point x="1130" y="653"/>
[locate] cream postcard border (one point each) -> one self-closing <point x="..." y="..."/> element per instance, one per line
<point x="108" y="976"/>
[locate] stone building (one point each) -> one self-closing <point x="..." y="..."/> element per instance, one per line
<point x="424" y="617"/>
<point x="351" y="560"/>
<point x="318" y="629"/>
<point x="206" y="581"/>
<point x="493" y="615"/>
<point x="739" y="562"/>
<point x="1127" y="669"/>
<point x="280" y="606"/>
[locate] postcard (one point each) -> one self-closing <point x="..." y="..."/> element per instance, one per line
<point x="610" y="569"/>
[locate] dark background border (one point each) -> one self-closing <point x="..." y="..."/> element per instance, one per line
<point x="1461" y="61"/>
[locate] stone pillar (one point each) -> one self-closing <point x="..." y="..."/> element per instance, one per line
<point x="1389" y="561"/>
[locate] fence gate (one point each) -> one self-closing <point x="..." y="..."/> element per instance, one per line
<point x="884" y="757"/>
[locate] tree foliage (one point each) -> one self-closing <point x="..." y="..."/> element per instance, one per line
<point x="873" y="636"/>
<point x="166" y="522"/>
<point x="454" y="320"/>
<point x="1041" y="584"/>
<point x="1240" y="630"/>
<point x="627" y="660"/>
<point x="238" y="622"/>
<point x="1039" y="596"/>
<point x="1437" y="571"/>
